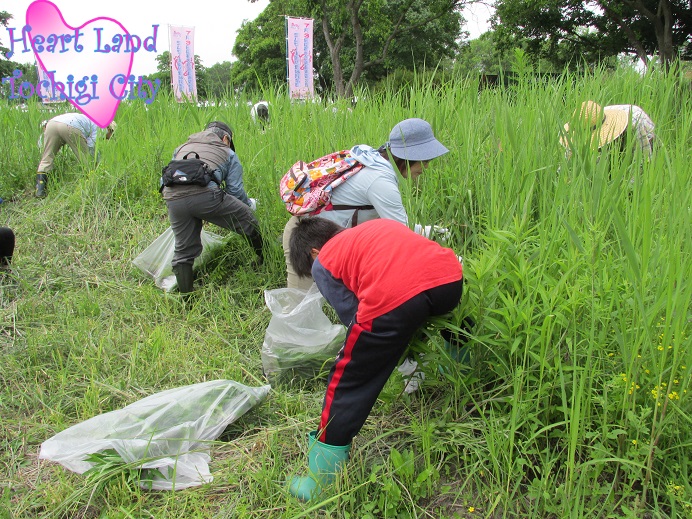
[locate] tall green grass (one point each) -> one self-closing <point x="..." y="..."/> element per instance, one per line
<point x="576" y="403"/>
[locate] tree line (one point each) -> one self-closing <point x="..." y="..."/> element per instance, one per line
<point x="365" y="43"/>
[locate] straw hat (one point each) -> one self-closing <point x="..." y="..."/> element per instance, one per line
<point x="605" y="124"/>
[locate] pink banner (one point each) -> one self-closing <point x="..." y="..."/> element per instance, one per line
<point x="47" y="90"/>
<point x="183" y="79"/>
<point x="299" y="57"/>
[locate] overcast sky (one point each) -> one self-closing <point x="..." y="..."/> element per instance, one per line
<point x="215" y="21"/>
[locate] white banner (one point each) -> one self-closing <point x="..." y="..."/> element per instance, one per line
<point x="183" y="79"/>
<point x="299" y="57"/>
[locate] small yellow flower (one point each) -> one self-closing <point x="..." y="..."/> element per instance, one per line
<point x="647" y="371"/>
<point x="674" y="395"/>
<point x="634" y="442"/>
<point x="660" y="348"/>
<point x="471" y="509"/>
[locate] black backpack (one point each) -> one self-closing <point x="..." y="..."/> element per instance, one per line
<point x="186" y="172"/>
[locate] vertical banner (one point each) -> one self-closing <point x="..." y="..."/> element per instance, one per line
<point x="299" y="57"/>
<point x="47" y="90"/>
<point x="183" y="79"/>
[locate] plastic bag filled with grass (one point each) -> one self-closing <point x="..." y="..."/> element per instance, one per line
<point x="300" y="341"/>
<point x="166" y="435"/>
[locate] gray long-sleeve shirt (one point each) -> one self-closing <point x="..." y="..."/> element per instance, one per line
<point x="377" y="184"/>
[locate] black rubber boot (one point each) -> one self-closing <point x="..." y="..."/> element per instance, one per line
<point x="256" y="242"/>
<point x="184" y="277"/>
<point x="41" y="185"/>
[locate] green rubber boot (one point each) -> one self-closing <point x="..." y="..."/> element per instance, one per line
<point x="324" y="462"/>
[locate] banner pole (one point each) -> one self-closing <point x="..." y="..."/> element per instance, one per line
<point x="288" y="80"/>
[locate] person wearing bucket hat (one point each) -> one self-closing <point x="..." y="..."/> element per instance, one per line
<point x="609" y="124"/>
<point x="72" y="129"/>
<point x="223" y="201"/>
<point x="374" y="191"/>
<point x="413" y="140"/>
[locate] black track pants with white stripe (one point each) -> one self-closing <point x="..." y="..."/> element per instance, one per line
<point x="371" y="352"/>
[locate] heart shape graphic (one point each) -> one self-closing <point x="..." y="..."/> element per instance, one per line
<point x="82" y="61"/>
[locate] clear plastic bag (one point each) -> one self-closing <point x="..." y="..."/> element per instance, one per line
<point x="169" y="431"/>
<point x="156" y="259"/>
<point x="300" y="339"/>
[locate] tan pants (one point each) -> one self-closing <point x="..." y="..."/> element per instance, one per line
<point x="55" y="136"/>
<point x="292" y="279"/>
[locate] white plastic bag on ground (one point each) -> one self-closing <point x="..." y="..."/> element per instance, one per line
<point x="300" y="339"/>
<point x="156" y="259"/>
<point x="170" y="431"/>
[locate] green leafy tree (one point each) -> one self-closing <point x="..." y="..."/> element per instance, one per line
<point x="219" y="80"/>
<point x="7" y="67"/>
<point x="355" y="40"/>
<point x="260" y="47"/>
<point x="373" y="37"/>
<point x="482" y="56"/>
<point x="571" y="31"/>
<point x="5" y="17"/>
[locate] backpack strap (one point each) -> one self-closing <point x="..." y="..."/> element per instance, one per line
<point x="354" y="220"/>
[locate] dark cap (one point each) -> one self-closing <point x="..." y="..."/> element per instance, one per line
<point x="224" y="128"/>
<point x="221" y="126"/>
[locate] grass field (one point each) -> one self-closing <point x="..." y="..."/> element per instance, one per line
<point x="577" y="400"/>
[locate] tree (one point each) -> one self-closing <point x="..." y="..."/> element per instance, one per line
<point x="572" y="31"/>
<point x="359" y="39"/>
<point x="219" y="79"/>
<point x="364" y="35"/>
<point x="481" y="56"/>
<point x="260" y="47"/>
<point x="5" y="17"/>
<point x="6" y="66"/>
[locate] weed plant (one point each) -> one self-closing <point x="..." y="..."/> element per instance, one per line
<point x="576" y="402"/>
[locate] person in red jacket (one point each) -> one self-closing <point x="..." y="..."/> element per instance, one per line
<point x="384" y="281"/>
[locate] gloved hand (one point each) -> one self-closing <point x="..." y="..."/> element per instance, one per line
<point x="412" y="376"/>
<point x="432" y="231"/>
<point x="253" y="204"/>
